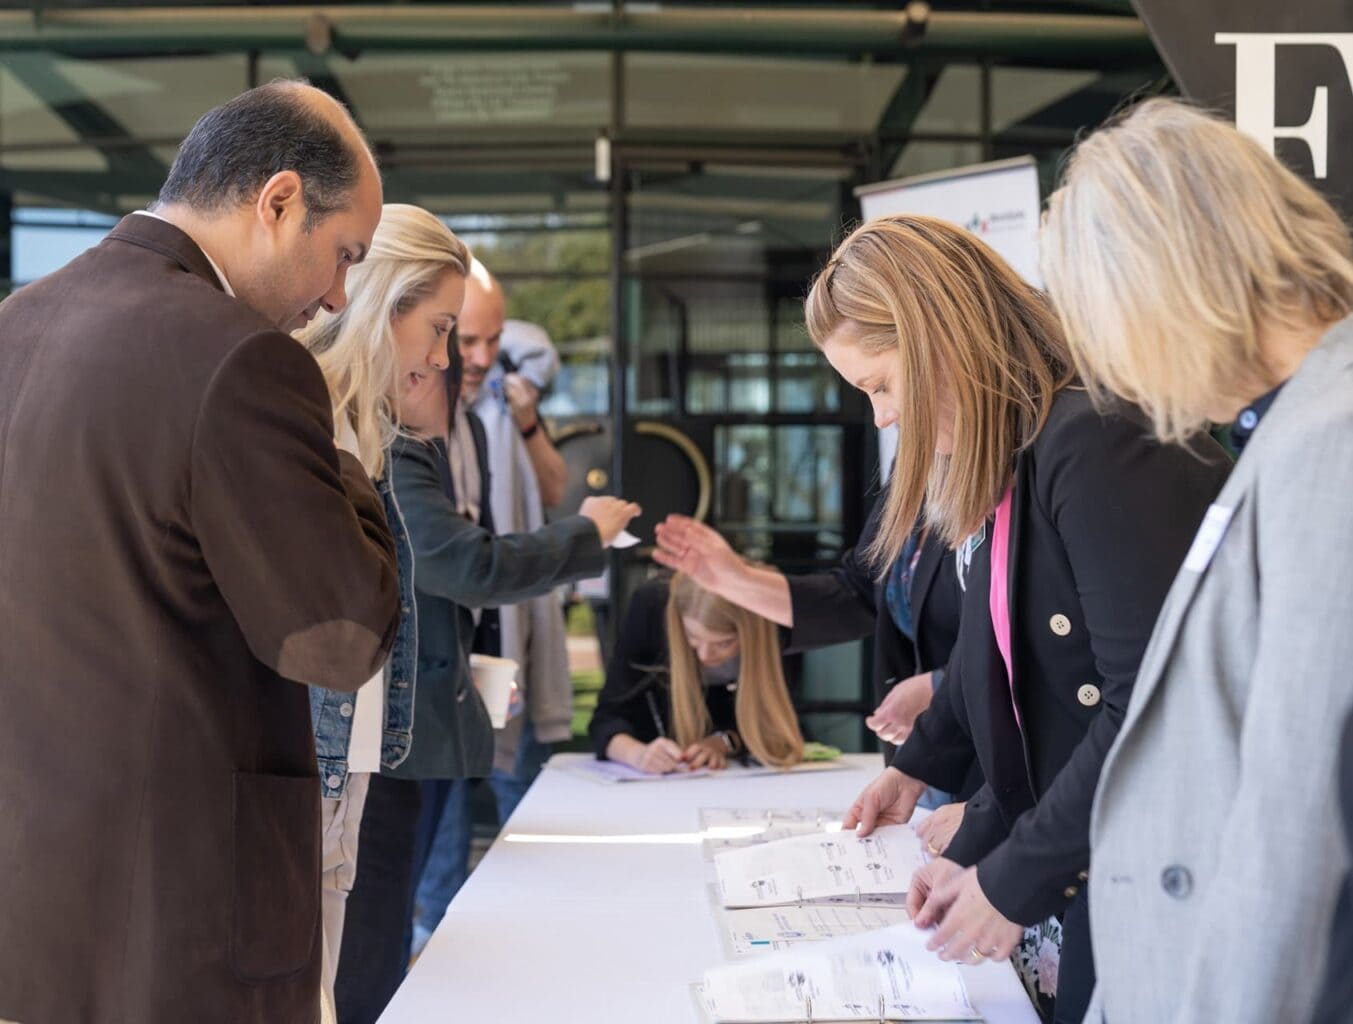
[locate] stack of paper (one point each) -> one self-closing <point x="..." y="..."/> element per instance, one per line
<point x="809" y="819"/>
<point x="752" y="930"/>
<point x="827" y="867"/>
<point x="883" y="975"/>
<point x="733" y="828"/>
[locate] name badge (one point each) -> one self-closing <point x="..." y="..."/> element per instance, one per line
<point x="1209" y="537"/>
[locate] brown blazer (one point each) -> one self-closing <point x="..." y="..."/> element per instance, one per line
<point x="180" y="546"/>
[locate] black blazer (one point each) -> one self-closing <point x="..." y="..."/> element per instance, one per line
<point x="1101" y="519"/>
<point x="637" y="697"/>
<point x="840" y="604"/>
<point x="847" y="603"/>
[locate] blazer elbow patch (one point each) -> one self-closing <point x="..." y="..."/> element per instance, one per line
<point x="331" y="653"/>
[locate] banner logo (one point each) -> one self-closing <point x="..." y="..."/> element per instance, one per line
<point x="1256" y="89"/>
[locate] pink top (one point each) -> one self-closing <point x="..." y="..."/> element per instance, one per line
<point x="1000" y="591"/>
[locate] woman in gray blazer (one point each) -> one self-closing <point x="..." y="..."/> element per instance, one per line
<point x="1199" y="278"/>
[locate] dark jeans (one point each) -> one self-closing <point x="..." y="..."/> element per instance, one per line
<point x="375" y="950"/>
<point x="1076" y="972"/>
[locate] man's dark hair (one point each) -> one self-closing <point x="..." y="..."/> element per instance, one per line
<point x="234" y="149"/>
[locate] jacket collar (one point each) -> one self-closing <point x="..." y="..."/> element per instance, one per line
<point x="169" y="241"/>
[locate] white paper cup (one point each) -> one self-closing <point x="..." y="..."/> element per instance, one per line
<point x="495" y="679"/>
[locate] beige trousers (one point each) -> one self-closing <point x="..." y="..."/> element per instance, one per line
<point x="340" y="824"/>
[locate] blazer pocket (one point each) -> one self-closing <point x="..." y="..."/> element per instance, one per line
<point x="276" y="867"/>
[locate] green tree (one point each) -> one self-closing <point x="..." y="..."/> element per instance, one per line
<point x="573" y="302"/>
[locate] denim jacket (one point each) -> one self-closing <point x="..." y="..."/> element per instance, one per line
<point x="331" y="711"/>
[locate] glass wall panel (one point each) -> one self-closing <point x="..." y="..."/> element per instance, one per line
<point x="756" y="96"/>
<point x="433" y="97"/>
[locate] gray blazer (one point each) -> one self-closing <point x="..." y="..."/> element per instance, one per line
<point x="1216" y="857"/>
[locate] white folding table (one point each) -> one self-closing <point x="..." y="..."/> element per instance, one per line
<point x="594" y="905"/>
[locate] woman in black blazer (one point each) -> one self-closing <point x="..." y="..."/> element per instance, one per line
<point x="823" y="614"/>
<point x="1069" y="523"/>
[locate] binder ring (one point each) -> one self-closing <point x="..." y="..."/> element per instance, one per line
<point x="883" y="1011"/>
<point x="808" y="1009"/>
<point x="859" y="899"/>
<point x="800" y="890"/>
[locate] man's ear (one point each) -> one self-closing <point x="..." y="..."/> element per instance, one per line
<point x="280" y="197"/>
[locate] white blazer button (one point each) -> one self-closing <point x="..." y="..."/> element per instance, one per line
<point x="345" y="709"/>
<point x="1088" y="695"/>
<point x="1060" y="624"/>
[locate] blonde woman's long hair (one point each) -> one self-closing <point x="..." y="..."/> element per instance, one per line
<point x="1172" y="243"/>
<point x="960" y="320"/>
<point x="766" y="720"/>
<point x="355" y="348"/>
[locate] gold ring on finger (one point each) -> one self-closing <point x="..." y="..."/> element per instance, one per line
<point x="977" y="955"/>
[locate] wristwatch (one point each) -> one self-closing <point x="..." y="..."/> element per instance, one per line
<point x="728" y="740"/>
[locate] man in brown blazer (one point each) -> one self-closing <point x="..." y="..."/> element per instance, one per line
<point x="181" y="547"/>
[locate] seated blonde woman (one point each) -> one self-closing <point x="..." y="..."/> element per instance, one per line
<point x="694" y="681"/>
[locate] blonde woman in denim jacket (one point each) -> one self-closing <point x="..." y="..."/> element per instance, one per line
<point x="376" y="352"/>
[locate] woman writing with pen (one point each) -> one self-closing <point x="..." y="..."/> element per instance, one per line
<point x="693" y="682"/>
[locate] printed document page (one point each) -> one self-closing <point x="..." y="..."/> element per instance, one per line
<point x="753" y="930"/>
<point x="887" y="974"/>
<point x="825" y="865"/>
